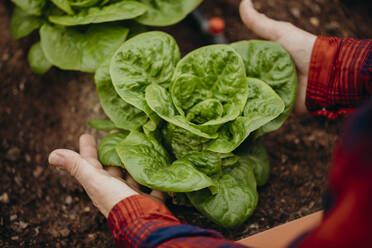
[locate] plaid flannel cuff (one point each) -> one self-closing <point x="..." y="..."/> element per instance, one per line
<point x="336" y="83"/>
<point x="135" y="218"/>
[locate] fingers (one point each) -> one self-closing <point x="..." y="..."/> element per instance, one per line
<point x="161" y="196"/>
<point x="158" y="195"/>
<point x="74" y="163"/>
<point x="88" y="150"/>
<point x="88" y="147"/>
<point x="130" y="180"/>
<point x="259" y="23"/>
<point x="114" y="171"/>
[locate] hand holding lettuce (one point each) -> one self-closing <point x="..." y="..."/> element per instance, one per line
<point x="189" y="115"/>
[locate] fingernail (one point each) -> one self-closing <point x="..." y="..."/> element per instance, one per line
<point x="56" y="159"/>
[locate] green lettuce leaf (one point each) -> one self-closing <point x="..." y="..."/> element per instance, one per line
<point x="209" y="163"/>
<point x="160" y="101"/>
<point x="64" y="5"/>
<point x="257" y="156"/>
<point x="228" y="159"/>
<point x="122" y="114"/>
<point x="83" y="3"/>
<point x="70" y="49"/>
<point x="263" y="105"/>
<point x="32" y="7"/>
<point x="148" y="58"/>
<point x="37" y="61"/>
<point x="122" y="10"/>
<point x="107" y="149"/>
<point x="180" y="141"/>
<point x="272" y="64"/>
<point x="22" y="23"/>
<point x="102" y="124"/>
<point x="210" y="78"/>
<point x="104" y="2"/>
<point x="166" y="12"/>
<point x="149" y="164"/>
<point x="235" y="199"/>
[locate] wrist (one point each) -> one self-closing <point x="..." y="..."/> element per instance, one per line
<point x="303" y="71"/>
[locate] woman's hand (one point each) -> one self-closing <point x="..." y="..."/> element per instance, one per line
<point x="104" y="187"/>
<point x="296" y="41"/>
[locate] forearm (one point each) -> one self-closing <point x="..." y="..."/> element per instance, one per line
<point x="339" y="78"/>
<point x="140" y="221"/>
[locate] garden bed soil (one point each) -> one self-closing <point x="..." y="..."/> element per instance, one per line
<point x="41" y="206"/>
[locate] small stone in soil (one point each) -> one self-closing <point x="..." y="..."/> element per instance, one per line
<point x="332" y="25"/>
<point x="68" y="200"/>
<point x="314" y="21"/>
<point x="37" y="172"/>
<point x="284" y="158"/>
<point x="64" y="232"/>
<point x="14" y="238"/>
<point x="23" y="225"/>
<point x="18" y="180"/>
<point x="295" y="12"/>
<point x="13" y="154"/>
<point x="54" y="233"/>
<point x="22" y="86"/>
<point x="28" y="158"/>
<point x="4" y="198"/>
<point x="86" y="209"/>
<point x="13" y="217"/>
<point x="91" y="236"/>
<point x="254" y="226"/>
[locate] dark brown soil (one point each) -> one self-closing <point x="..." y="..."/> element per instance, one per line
<point x="41" y="206"/>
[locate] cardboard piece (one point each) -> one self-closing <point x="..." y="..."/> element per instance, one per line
<point x="281" y="236"/>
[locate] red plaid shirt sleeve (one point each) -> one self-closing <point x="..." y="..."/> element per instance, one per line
<point x="339" y="77"/>
<point x="139" y="221"/>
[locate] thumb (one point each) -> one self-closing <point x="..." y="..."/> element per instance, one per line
<point x="260" y="24"/>
<point x="296" y="41"/>
<point x="103" y="189"/>
<point x="74" y="163"/>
